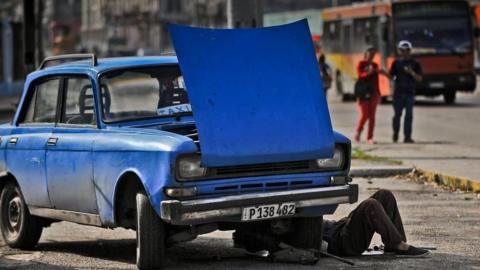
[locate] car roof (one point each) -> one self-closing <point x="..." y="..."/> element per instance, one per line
<point x="104" y="64"/>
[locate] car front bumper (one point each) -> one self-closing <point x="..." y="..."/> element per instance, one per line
<point x="230" y="207"/>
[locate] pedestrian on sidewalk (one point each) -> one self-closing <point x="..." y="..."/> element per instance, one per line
<point x="405" y="72"/>
<point x="325" y="72"/>
<point x="368" y="73"/>
<point x="352" y="235"/>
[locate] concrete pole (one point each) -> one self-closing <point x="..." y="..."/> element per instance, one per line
<point x="7" y="49"/>
<point x="244" y="13"/>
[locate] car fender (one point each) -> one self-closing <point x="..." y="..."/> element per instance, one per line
<point x="151" y="158"/>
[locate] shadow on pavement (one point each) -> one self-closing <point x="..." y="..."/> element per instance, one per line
<point x="400" y="142"/>
<point x="121" y="250"/>
<point x="434" y="158"/>
<point x="215" y="253"/>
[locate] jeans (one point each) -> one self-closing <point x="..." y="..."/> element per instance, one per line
<point x="401" y="102"/>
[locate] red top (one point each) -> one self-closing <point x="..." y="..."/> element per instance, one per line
<point x="373" y="77"/>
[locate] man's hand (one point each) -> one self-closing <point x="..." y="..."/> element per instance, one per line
<point x="384" y="73"/>
<point x="412" y="73"/>
<point x="370" y="70"/>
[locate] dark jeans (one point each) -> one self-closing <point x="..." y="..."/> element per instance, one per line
<point x="379" y="214"/>
<point x="401" y="102"/>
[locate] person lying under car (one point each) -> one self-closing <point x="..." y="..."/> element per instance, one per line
<point x="351" y="235"/>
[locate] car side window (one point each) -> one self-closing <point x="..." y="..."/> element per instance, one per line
<point x="79" y="106"/>
<point x="43" y="104"/>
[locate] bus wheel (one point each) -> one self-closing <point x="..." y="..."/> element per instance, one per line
<point x="449" y="96"/>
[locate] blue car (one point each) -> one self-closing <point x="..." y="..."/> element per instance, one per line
<point x="229" y="134"/>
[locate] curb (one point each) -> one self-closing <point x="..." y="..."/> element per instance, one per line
<point x="383" y="171"/>
<point x="453" y="182"/>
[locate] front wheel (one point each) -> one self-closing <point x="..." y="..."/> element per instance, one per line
<point x="449" y="96"/>
<point x="19" y="228"/>
<point x="150" y="235"/>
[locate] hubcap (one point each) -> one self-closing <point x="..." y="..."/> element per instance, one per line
<point x="14" y="213"/>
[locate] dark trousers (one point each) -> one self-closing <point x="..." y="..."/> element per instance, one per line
<point x="379" y="214"/>
<point x="401" y="102"/>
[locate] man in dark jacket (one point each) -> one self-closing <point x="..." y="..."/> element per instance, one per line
<point x="405" y="72"/>
<point x="351" y="235"/>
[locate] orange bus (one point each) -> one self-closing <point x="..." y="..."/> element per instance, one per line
<point x="442" y="34"/>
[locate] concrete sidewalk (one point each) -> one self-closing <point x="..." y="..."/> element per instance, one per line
<point x="447" y="137"/>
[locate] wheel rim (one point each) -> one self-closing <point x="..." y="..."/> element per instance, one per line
<point x="12" y="215"/>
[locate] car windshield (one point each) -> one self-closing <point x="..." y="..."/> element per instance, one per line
<point x="439" y="35"/>
<point x="134" y="94"/>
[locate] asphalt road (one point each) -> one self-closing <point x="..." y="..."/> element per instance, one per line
<point x="432" y="217"/>
<point x="446" y="135"/>
<point x="433" y="121"/>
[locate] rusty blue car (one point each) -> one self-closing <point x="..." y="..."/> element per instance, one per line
<point x="231" y="133"/>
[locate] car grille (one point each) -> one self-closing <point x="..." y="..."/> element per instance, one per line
<point x="262" y="169"/>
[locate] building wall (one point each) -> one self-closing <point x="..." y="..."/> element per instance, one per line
<point x="139" y="27"/>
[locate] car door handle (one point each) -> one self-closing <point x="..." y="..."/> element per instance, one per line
<point x="13" y="140"/>
<point x="52" y="141"/>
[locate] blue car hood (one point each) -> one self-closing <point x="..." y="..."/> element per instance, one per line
<point x="256" y="94"/>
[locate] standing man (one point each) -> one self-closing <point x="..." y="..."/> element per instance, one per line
<point x="406" y="72"/>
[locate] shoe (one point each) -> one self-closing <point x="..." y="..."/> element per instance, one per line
<point x="357" y="137"/>
<point x="408" y="140"/>
<point x="395" y="138"/>
<point x="370" y="141"/>
<point x="411" y="252"/>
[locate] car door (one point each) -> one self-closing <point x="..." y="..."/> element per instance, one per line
<point x="25" y="150"/>
<point x="69" y="149"/>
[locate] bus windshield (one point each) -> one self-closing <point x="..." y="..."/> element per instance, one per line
<point x="436" y="35"/>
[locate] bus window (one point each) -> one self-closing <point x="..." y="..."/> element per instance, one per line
<point x="331" y="36"/>
<point x="347" y="36"/>
<point x="365" y="33"/>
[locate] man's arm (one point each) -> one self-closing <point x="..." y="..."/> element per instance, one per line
<point x="415" y="72"/>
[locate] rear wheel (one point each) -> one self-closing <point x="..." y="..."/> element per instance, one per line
<point x="19" y="228"/>
<point x="449" y="96"/>
<point x="150" y="235"/>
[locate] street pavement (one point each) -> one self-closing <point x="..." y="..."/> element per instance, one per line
<point x="449" y="221"/>
<point x="447" y="136"/>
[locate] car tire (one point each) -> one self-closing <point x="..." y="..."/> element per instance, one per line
<point x="449" y="96"/>
<point x="19" y="228"/>
<point x="150" y="235"/>
<point x="308" y="233"/>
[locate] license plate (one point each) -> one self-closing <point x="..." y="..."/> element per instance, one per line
<point x="437" y="85"/>
<point x="268" y="211"/>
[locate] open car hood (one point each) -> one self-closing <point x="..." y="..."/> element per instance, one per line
<point x="256" y="94"/>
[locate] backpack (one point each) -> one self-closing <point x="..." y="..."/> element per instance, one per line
<point x="363" y="89"/>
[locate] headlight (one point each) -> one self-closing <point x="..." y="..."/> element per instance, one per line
<point x="336" y="162"/>
<point x="189" y="167"/>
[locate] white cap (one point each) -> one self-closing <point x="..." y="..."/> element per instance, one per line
<point x="404" y="44"/>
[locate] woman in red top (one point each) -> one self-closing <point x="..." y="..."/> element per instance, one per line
<point x="368" y="70"/>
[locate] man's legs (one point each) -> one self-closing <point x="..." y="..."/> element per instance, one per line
<point x="389" y="203"/>
<point x="371" y="117"/>
<point x="407" y="129"/>
<point x="398" y="104"/>
<point x="370" y="217"/>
